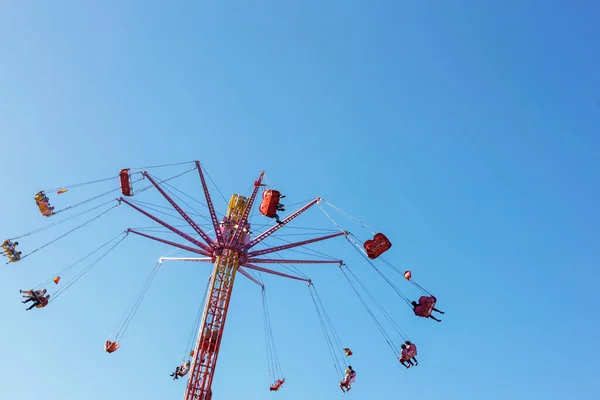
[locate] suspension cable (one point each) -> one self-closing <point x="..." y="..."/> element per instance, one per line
<point x="383" y="311"/>
<point x="74" y="229"/>
<point x="60" y="221"/>
<point x="351" y="218"/>
<point x="88" y="200"/>
<point x="389" y="282"/>
<point x="385" y="335"/>
<point x="88" y="268"/>
<point x="162" y="166"/>
<point x="214" y="184"/>
<point x="166" y="180"/>
<point x="337" y="364"/>
<point x="275" y="370"/>
<point x="70" y="267"/>
<point x="80" y="184"/>
<point x="123" y="324"/>
<point x="196" y="212"/>
<point x="196" y="325"/>
<point x="420" y="287"/>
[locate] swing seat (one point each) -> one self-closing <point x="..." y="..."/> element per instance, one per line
<point x="44" y="208"/>
<point x="404" y="356"/>
<point x="377" y="246"/>
<point x="412" y="351"/>
<point x="43" y="301"/>
<point x="125" y="182"/>
<point x="111" y="347"/>
<point x="348" y="352"/>
<point x="425" y="306"/>
<point x="39" y="198"/>
<point x="270" y="200"/>
<point x="275" y="387"/>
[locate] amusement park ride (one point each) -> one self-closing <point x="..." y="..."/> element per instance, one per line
<point x="232" y="250"/>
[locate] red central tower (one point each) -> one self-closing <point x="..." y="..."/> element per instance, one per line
<point x="230" y="251"/>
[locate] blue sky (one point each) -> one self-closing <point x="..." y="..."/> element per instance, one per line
<point x="467" y="132"/>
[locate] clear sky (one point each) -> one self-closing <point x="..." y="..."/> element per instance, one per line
<point x="467" y="131"/>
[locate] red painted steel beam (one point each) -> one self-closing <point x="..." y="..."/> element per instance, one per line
<point x="253" y="279"/>
<point x="292" y="245"/>
<point x="244" y="220"/>
<point x="275" y="228"/>
<point x="181" y="246"/>
<point x="187" y="237"/>
<point x="186" y="217"/>
<point x="188" y="259"/>
<point x="275" y="261"/>
<point x="270" y="271"/>
<point x="211" y="208"/>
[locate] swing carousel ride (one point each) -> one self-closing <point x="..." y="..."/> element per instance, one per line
<point x="232" y="249"/>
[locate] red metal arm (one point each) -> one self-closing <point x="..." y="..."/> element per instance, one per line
<point x="188" y="259"/>
<point x="275" y="228"/>
<point x="244" y="220"/>
<point x="187" y="219"/>
<point x="198" y="243"/>
<point x="253" y="279"/>
<point x="211" y="208"/>
<point x="181" y="246"/>
<point x="292" y="245"/>
<point x="269" y="271"/>
<point x="272" y="261"/>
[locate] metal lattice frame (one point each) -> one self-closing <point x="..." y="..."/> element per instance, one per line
<point x="230" y="253"/>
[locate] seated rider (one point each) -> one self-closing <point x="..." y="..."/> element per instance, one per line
<point x="175" y="374"/>
<point x="9" y="247"/>
<point x="37" y="296"/>
<point x="404" y="358"/>
<point x="412" y="351"/>
<point x="33" y="294"/>
<point x="9" y="244"/>
<point x="346" y="384"/>
<point x="277" y="219"/>
<point x="415" y="304"/>
<point x="182" y="370"/>
<point x="41" y="196"/>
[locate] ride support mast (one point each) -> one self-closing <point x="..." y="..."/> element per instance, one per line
<point x="230" y="252"/>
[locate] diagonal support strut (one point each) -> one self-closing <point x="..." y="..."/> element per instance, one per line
<point x="292" y="245"/>
<point x="273" y="261"/>
<point x="211" y="207"/>
<point x="244" y="220"/>
<point x="275" y="228"/>
<point x="186" y="217"/>
<point x="270" y="271"/>
<point x="187" y="259"/>
<point x="253" y="279"/>
<point x="187" y="237"/>
<point x="181" y="246"/>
